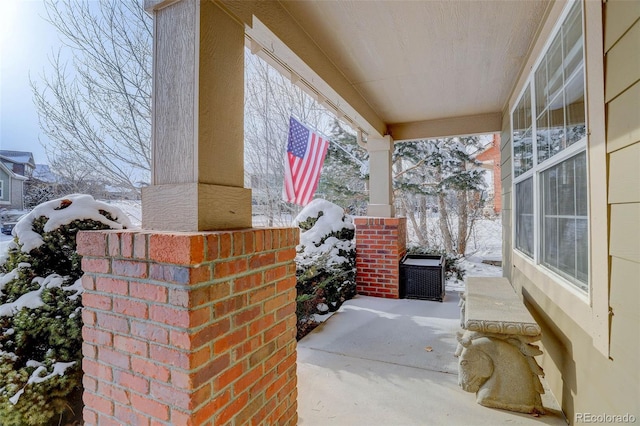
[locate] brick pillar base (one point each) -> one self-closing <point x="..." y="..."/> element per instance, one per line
<point x="380" y="245"/>
<point x="189" y="328"/>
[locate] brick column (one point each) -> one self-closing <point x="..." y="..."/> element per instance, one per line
<point x="380" y="244"/>
<point x="189" y="328"/>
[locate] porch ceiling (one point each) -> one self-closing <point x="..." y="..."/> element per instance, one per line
<point x="435" y="66"/>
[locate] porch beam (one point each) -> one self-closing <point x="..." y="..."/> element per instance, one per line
<point x="197" y="120"/>
<point x="287" y="41"/>
<point x="447" y="127"/>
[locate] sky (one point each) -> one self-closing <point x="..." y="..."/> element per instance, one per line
<point x="26" y="43"/>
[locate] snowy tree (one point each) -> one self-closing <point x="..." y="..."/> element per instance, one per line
<point x="40" y="309"/>
<point x="36" y="192"/>
<point x="440" y="175"/>
<point x="97" y="110"/>
<point x="345" y="172"/>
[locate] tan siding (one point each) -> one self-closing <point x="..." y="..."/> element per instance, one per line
<point x="624" y="119"/>
<point x="625" y="232"/>
<point x="619" y="17"/>
<point x="505" y="167"/>
<point x="623" y="63"/>
<point x="505" y="137"/>
<point x="622" y="70"/>
<point x="624" y="175"/>
<point x="625" y="345"/>
<point x="581" y="379"/>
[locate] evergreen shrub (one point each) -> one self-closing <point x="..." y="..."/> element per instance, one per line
<point x="40" y="309"/>
<point x="325" y="261"/>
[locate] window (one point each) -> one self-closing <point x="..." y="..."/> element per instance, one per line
<point x="549" y="158"/>
<point x="522" y="131"/>
<point x="524" y="216"/>
<point x="1" y="189"/>
<point x="564" y="225"/>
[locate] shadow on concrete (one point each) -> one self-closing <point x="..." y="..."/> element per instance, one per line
<point x="390" y="362"/>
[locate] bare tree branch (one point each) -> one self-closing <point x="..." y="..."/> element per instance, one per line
<point x="97" y="113"/>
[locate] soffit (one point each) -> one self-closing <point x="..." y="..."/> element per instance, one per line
<point x="415" y="61"/>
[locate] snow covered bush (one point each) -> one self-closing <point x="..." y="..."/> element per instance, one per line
<point x="325" y="263"/>
<point x="40" y="308"/>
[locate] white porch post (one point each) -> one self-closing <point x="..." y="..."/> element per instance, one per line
<point x="198" y="101"/>
<point x="380" y="177"/>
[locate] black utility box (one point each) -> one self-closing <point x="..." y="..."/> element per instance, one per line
<point x="422" y="277"/>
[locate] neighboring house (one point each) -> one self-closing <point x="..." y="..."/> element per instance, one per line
<point x="11" y="188"/>
<point x="43" y="173"/>
<point x="15" y="168"/>
<point x="490" y="159"/>
<point x="20" y="162"/>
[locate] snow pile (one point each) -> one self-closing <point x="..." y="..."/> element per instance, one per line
<point x="58" y="213"/>
<point x="322" y="224"/>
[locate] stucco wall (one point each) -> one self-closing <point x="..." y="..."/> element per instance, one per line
<point x="580" y="376"/>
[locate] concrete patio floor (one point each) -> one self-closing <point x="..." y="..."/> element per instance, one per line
<point x="369" y="364"/>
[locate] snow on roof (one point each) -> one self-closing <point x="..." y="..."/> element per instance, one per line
<point x="63" y="211"/>
<point x="21" y="157"/>
<point x="44" y="173"/>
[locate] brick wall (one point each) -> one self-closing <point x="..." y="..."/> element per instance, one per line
<point x="189" y="328"/>
<point x="380" y="245"/>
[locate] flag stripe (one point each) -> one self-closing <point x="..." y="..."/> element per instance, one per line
<point x="306" y="152"/>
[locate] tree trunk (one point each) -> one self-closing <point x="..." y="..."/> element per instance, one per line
<point x="463" y="216"/>
<point x="410" y="213"/>
<point x="444" y="223"/>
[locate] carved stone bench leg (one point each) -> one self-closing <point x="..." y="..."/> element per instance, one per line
<point x="501" y="370"/>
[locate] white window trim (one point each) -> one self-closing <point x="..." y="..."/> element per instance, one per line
<point x="537" y="168"/>
<point x="590" y="311"/>
<point x="1" y="189"/>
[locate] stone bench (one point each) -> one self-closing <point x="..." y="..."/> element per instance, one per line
<point x="495" y="352"/>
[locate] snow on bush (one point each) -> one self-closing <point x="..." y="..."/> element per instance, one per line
<point x="40" y="308"/>
<point x="325" y="261"/>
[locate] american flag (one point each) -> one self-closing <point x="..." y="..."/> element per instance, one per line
<point x="305" y="154"/>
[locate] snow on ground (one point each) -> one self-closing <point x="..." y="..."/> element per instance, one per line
<point x="132" y="208"/>
<point x="485" y="243"/>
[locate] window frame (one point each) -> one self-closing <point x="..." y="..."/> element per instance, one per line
<point x="589" y="311"/>
<point x="537" y="167"/>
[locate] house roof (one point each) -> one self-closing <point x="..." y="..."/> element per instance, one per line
<point x="18" y="157"/>
<point x="10" y="172"/>
<point x="43" y="172"/>
<point x="411" y="69"/>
